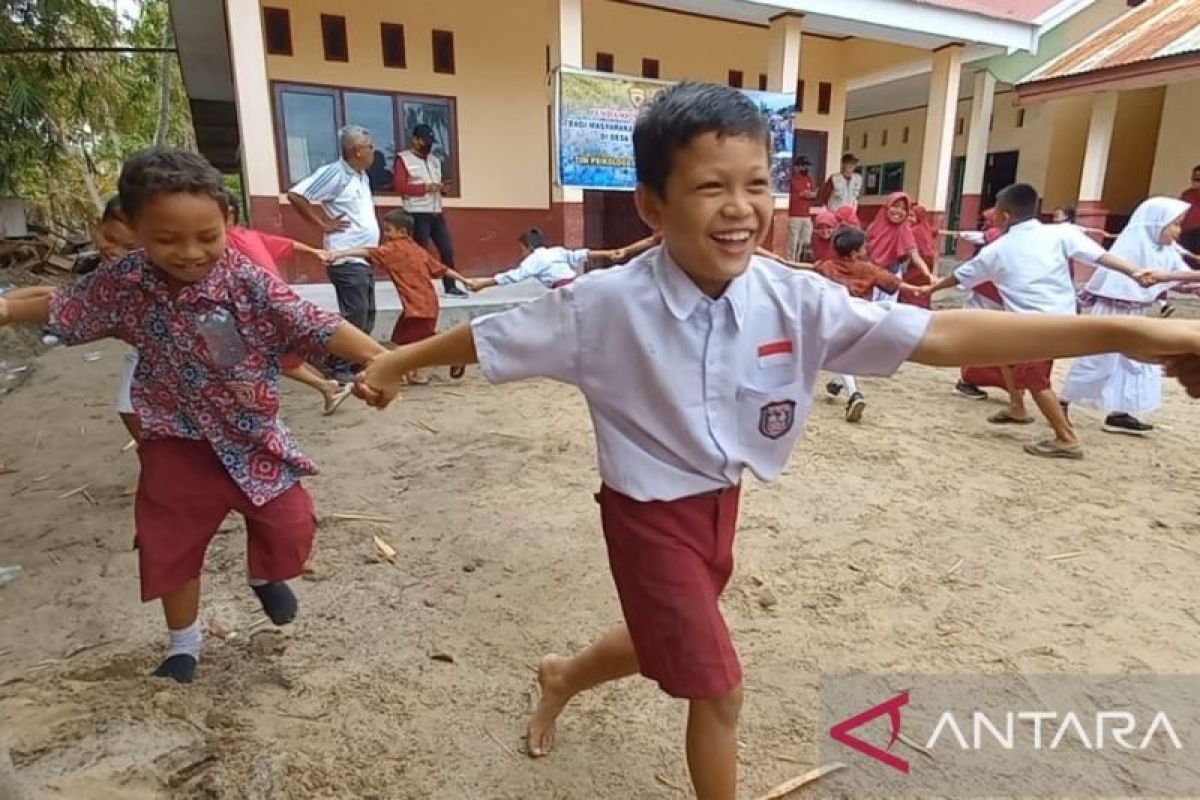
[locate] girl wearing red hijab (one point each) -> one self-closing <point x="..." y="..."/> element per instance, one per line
<point x="926" y="237"/>
<point x="890" y="241"/>
<point x="824" y="227"/>
<point x="848" y="215"/>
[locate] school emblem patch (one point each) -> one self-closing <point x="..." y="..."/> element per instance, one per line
<point x="776" y="419"/>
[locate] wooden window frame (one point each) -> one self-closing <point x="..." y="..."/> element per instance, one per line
<point x="444" y="36"/>
<point x="824" y="98"/>
<point x="400" y="136"/>
<point x="396" y="29"/>
<point x="737" y="78"/>
<point x="286" y="15"/>
<point x="650" y="65"/>
<point x="327" y="21"/>
<point x="606" y="62"/>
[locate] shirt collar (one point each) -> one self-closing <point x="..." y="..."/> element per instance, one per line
<point x="214" y="286"/>
<point x="351" y="171"/>
<point x="1026" y="225"/>
<point x="682" y="295"/>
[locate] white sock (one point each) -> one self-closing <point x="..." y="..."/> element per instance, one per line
<point x="850" y="383"/>
<point x="186" y="641"/>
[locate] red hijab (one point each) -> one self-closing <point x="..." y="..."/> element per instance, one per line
<point x="822" y="249"/>
<point x="889" y="242"/>
<point x="923" y="231"/>
<point x="848" y="215"/>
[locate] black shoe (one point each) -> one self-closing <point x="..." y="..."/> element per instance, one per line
<point x="455" y="291"/>
<point x="970" y="391"/>
<point x="855" y="407"/>
<point x="834" y="388"/>
<point x="1126" y="424"/>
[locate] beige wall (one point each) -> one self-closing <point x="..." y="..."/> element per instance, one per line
<point x="1068" y="140"/>
<point x="1131" y="159"/>
<point x="1178" y="149"/>
<point x="499" y="82"/>
<point x="875" y="152"/>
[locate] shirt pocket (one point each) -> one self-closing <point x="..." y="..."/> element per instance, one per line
<point x="769" y="422"/>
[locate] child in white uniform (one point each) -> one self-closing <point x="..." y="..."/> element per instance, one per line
<point x="698" y="361"/>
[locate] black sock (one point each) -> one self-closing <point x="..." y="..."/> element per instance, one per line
<point x="278" y="601"/>
<point x="180" y="668"/>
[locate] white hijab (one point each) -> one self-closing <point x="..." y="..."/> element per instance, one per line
<point x="1139" y="244"/>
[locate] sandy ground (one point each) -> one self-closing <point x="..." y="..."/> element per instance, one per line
<point x="916" y="541"/>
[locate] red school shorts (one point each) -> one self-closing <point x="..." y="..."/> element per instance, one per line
<point x="1033" y="377"/>
<point x="183" y="496"/>
<point x="670" y="562"/>
<point x="413" y="329"/>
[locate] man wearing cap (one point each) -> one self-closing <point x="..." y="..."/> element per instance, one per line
<point x="800" y="224"/>
<point x="419" y="181"/>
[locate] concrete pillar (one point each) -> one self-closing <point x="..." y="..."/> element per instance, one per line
<point x="940" y="118"/>
<point x="978" y="131"/>
<point x="783" y="73"/>
<point x="255" y="125"/>
<point x="1099" y="141"/>
<point x="783" y="55"/>
<point x="566" y="50"/>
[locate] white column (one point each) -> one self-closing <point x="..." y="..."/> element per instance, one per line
<point x="940" y="118"/>
<point x="783" y="55"/>
<point x="1099" y="142"/>
<point x="253" y="92"/>
<point x="977" y="132"/>
<point x="566" y="50"/>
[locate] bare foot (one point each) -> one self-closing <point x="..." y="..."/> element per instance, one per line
<point x="554" y="697"/>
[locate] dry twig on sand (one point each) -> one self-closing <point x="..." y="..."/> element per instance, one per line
<point x="784" y="789"/>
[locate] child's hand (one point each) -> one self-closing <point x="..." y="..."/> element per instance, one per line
<point x="325" y="256"/>
<point x="1175" y="343"/>
<point x="380" y="381"/>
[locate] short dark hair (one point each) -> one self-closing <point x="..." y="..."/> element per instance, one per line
<point x="848" y="241"/>
<point x="850" y="157"/>
<point x="1196" y="169"/>
<point x="112" y="210"/>
<point x="1020" y="200"/>
<point x="682" y="113"/>
<point x="532" y="238"/>
<point x="235" y="206"/>
<point x="400" y="219"/>
<point x="1068" y="212"/>
<point x="167" y="170"/>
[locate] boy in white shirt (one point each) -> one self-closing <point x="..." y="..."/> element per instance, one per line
<point x="556" y="267"/>
<point x="698" y="360"/>
<point x="1030" y="265"/>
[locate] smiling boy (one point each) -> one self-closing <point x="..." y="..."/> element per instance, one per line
<point x="698" y="361"/>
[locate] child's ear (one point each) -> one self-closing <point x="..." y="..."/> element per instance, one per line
<point x="649" y="206"/>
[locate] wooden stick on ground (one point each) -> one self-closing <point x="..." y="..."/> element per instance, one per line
<point x="1065" y="556"/>
<point x="784" y="789"/>
<point x="73" y="492"/>
<point x="351" y="517"/>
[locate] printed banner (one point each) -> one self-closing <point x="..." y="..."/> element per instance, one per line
<point x="596" y="113"/>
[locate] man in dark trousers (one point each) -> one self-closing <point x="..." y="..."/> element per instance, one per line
<point x="418" y="174"/>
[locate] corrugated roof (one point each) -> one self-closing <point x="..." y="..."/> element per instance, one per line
<point x="1155" y="29"/>
<point x="1019" y="10"/>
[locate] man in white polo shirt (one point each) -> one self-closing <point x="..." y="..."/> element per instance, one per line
<point x="418" y="176"/>
<point x="337" y="200"/>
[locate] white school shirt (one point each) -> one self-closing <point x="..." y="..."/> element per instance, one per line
<point x="1030" y="265"/>
<point x="686" y="392"/>
<point x="346" y="193"/>
<point x="547" y="265"/>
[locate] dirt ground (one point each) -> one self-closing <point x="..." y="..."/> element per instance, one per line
<point x="917" y="541"/>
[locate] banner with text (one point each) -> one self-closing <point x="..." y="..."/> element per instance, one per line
<point x="596" y="113"/>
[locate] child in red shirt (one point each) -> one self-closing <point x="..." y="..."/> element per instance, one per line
<point x="210" y="329"/>
<point x="861" y="278"/>
<point x="411" y="268"/>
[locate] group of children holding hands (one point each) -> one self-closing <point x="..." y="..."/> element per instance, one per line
<point x="698" y="360"/>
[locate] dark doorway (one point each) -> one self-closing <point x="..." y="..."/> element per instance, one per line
<point x="610" y="219"/>
<point x="954" y="220"/>
<point x="1000" y="172"/>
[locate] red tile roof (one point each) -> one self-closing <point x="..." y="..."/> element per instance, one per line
<point x="1157" y="29"/>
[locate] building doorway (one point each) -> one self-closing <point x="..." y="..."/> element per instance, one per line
<point x="1000" y="172"/>
<point x="610" y="220"/>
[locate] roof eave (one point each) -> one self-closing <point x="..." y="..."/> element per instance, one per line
<point x="1125" y="77"/>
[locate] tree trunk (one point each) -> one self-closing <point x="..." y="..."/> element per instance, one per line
<point x="164" y="91"/>
<point x="89" y="180"/>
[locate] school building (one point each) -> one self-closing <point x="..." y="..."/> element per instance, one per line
<point x="922" y="90"/>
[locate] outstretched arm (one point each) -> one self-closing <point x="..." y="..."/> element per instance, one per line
<point x="380" y="382"/>
<point x="996" y="337"/>
<point x="33" y="310"/>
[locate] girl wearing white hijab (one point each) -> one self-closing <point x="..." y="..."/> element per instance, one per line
<point x="1113" y="383"/>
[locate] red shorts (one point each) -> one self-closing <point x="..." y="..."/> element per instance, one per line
<point x="1034" y="377"/>
<point x="413" y="329"/>
<point x="290" y="361"/>
<point x="183" y="496"/>
<point x="670" y="562"/>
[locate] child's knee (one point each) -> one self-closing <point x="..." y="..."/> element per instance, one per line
<point x="724" y="709"/>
